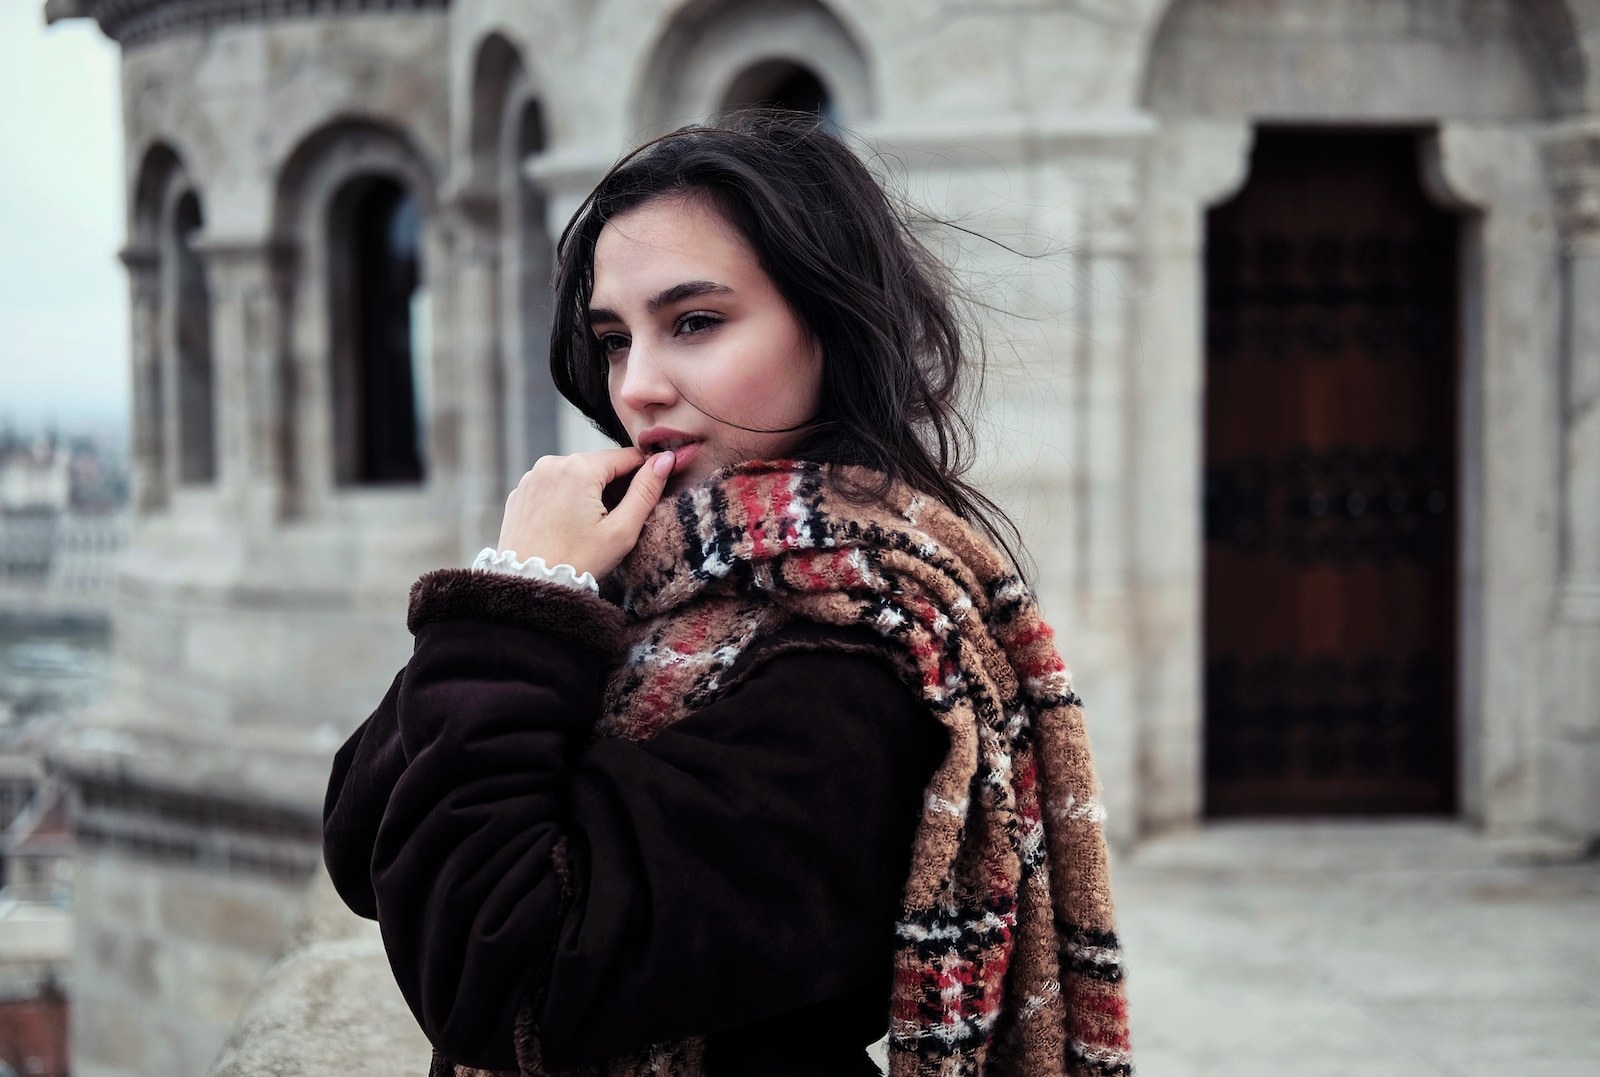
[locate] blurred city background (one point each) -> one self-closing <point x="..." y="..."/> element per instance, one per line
<point x="1294" y="320"/>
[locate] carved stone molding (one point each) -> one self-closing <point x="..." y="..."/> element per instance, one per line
<point x="472" y="205"/>
<point x="565" y="177"/>
<point x="143" y="265"/>
<point x="237" y="261"/>
<point x="1580" y="600"/>
<point x="1195" y="165"/>
<point x="138" y="259"/>
<point x="134" y="22"/>
<point x="1573" y="162"/>
<point x="225" y="807"/>
<point x="227" y="836"/>
<point x="133" y="815"/>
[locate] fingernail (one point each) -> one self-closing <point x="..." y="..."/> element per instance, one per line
<point x="662" y="463"/>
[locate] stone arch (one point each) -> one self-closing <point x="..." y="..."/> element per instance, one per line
<point x="339" y="184"/>
<point x="498" y="76"/>
<point x="780" y="82"/>
<point x="186" y="336"/>
<point x="174" y="400"/>
<point x="161" y="116"/>
<point x="1555" y="36"/>
<point x="710" y="46"/>
<point x="1508" y="65"/>
<point x="157" y="165"/>
<point x="340" y="148"/>
<point x="1426" y="59"/>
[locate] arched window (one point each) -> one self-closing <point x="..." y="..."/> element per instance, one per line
<point x="380" y="333"/>
<point x="174" y="384"/>
<point x="197" y="443"/>
<point x="783" y="84"/>
<point x="717" y="54"/>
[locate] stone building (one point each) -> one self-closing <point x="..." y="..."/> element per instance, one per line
<point x="1294" y="393"/>
<point x="61" y="530"/>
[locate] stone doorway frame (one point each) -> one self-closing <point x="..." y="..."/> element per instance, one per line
<point x="1508" y="335"/>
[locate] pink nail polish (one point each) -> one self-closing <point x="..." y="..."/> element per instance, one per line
<point x="662" y="463"/>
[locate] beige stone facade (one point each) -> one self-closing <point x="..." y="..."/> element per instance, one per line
<point x="261" y="607"/>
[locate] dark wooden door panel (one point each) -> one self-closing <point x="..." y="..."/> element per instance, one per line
<point x="1330" y="483"/>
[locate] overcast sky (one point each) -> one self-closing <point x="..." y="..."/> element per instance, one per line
<point x="63" y="295"/>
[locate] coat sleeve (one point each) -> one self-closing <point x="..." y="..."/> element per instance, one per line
<point x="745" y="862"/>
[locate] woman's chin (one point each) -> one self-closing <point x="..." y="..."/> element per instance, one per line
<point x="683" y="480"/>
<point x="680" y="481"/>
<point x="692" y="465"/>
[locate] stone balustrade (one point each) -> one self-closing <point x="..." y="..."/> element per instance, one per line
<point x="329" y="1006"/>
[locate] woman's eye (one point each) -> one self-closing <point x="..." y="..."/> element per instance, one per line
<point x="612" y="343"/>
<point x="690" y="324"/>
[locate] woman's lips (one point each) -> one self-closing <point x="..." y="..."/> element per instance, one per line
<point x="683" y="456"/>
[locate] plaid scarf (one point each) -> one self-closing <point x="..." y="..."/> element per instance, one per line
<point x="1007" y="962"/>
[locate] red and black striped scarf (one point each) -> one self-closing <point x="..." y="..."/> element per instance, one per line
<point x="1007" y="960"/>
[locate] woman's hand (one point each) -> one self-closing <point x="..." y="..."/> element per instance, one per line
<point x="557" y="512"/>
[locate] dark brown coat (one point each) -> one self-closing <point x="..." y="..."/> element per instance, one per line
<point x="736" y="876"/>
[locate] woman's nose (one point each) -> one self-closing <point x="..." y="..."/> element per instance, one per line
<point x="644" y="383"/>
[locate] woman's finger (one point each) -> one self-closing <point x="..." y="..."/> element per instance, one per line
<point x="643" y="493"/>
<point x="615" y="462"/>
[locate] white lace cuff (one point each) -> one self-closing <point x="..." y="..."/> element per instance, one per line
<point x="491" y="560"/>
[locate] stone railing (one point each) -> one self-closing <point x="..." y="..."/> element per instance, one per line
<point x="329" y="1006"/>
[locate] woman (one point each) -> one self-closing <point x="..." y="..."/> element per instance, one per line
<point x="730" y="765"/>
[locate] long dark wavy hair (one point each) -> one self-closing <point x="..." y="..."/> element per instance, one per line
<point x="899" y="358"/>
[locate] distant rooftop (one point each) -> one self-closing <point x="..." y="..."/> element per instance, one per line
<point x="43" y="827"/>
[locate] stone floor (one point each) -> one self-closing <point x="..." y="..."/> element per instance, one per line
<point x="1412" y="950"/>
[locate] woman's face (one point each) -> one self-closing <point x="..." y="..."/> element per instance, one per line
<point x="698" y="341"/>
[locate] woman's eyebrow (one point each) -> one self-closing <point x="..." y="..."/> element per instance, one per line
<point x="689" y="289"/>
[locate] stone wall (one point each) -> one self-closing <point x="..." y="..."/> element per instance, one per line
<point x="166" y="957"/>
<point x="270" y="593"/>
<point x="258" y="614"/>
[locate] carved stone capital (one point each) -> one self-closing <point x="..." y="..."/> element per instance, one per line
<point x="471" y="206"/>
<point x="138" y="257"/>
<point x="236" y="268"/>
<point x="143" y="264"/>
<point x="1580" y="600"/>
<point x="272" y="259"/>
<point x="1572" y="160"/>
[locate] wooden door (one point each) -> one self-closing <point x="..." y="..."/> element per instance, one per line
<point x="1330" y="483"/>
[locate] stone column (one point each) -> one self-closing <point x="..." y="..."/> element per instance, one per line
<point x="1573" y="160"/>
<point x="1106" y="361"/>
<point x="567" y="178"/>
<point x="251" y="380"/>
<point x="168" y="375"/>
<point x="472" y="219"/>
<point x="149" y="459"/>
<point x="527" y="256"/>
<point x="1509" y="496"/>
<point x="1195" y="165"/>
<point x="1572" y="763"/>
